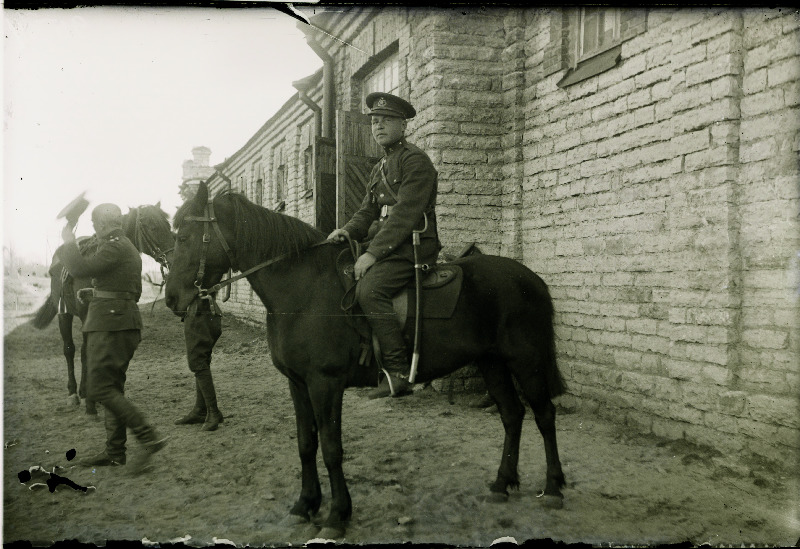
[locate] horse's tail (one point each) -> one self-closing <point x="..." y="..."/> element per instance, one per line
<point x="45" y="314"/>
<point x="555" y="381"/>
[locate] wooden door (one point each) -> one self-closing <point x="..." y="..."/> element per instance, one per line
<point x="356" y="154"/>
<point x="324" y="169"/>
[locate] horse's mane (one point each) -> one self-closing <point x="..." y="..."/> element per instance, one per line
<point x="258" y="228"/>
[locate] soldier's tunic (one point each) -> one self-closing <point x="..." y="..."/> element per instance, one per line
<point x="112" y="328"/>
<point x="402" y="191"/>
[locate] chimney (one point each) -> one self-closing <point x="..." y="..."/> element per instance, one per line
<point x="201" y="156"/>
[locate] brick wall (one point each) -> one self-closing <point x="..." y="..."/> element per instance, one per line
<point x="659" y="201"/>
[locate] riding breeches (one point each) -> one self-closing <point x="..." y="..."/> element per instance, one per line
<point x="374" y="293"/>
<point x="201" y="332"/>
<point x="108" y="355"/>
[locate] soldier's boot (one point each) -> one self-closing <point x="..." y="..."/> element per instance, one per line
<point x="116" y="437"/>
<point x="198" y="413"/>
<point x="150" y="442"/>
<point x="395" y="361"/>
<point x="213" y="416"/>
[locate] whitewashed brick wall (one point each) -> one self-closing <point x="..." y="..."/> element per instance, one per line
<point x="660" y="202"/>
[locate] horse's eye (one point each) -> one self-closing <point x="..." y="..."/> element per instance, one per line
<point x="182" y="238"/>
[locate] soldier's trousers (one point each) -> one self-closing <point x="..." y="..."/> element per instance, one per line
<point x="374" y="293"/>
<point x="109" y="354"/>
<point x="201" y="332"/>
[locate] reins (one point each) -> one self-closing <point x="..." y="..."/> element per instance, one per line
<point x="210" y="220"/>
<point x="142" y="238"/>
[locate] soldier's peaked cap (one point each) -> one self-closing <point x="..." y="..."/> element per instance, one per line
<point x="389" y="105"/>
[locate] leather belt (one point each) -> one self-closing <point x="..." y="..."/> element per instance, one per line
<point x="114" y="295"/>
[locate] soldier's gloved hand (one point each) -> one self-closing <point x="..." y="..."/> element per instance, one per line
<point x="363" y="264"/>
<point x="85" y="295"/>
<point x="66" y="233"/>
<point x="339" y="235"/>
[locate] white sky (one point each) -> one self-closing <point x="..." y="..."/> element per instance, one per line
<point x="112" y="101"/>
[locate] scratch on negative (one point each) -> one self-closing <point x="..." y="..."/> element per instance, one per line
<point x="337" y="38"/>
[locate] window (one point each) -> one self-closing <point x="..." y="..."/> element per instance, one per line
<point x="280" y="175"/>
<point x="383" y="78"/>
<point x="308" y="175"/>
<point x="257" y="179"/>
<point x="258" y="194"/>
<point x="588" y="41"/>
<point x="280" y="183"/>
<point x="599" y="30"/>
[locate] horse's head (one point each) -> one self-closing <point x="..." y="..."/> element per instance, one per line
<point x="150" y="231"/>
<point x="199" y="259"/>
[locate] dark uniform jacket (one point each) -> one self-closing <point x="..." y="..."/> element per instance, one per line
<point x="115" y="266"/>
<point x="412" y="188"/>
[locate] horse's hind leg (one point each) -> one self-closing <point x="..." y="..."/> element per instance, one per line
<point x="65" y="329"/>
<point x="501" y="389"/>
<point x="535" y="390"/>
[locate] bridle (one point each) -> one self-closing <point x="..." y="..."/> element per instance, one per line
<point x="144" y="241"/>
<point x="209" y="221"/>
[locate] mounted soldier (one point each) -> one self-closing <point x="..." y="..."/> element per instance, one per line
<point x="400" y="201"/>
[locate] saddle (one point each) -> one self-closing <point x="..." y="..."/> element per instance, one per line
<point x="441" y="288"/>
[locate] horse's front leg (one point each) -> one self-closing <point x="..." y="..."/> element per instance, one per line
<point x="91" y="408"/>
<point x="310" y="494"/>
<point x="326" y="395"/>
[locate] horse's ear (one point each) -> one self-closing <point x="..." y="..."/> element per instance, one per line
<point x="201" y="198"/>
<point x="158" y="204"/>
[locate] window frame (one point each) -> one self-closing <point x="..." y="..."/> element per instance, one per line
<point x="562" y="52"/>
<point x="580" y="54"/>
<point x="391" y="63"/>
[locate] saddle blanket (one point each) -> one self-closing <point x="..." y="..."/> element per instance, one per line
<point x="441" y="287"/>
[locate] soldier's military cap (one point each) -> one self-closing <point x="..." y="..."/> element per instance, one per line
<point x="389" y="105"/>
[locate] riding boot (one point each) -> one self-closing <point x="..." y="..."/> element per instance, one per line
<point x="116" y="437"/>
<point x="150" y="442"/>
<point x="213" y="416"/>
<point x="395" y="360"/>
<point x="198" y="413"/>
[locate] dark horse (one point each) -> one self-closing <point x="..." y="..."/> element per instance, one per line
<point x="149" y="229"/>
<point x="502" y="323"/>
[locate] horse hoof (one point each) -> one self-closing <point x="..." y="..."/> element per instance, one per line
<point x="329" y="533"/>
<point x="73" y="400"/>
<point x="495" y="497"/>
<point x="293" y="520"/>
<point x="552" y="502"/>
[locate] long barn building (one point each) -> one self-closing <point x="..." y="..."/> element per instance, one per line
<point x="643" y="162"/>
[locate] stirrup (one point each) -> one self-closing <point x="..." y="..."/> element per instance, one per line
<point x="389" y="381"/>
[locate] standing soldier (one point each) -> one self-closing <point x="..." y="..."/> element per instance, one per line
<point x="113" y="331"/>
<point x="202" y="326"/>
<point x="401" y="198"/>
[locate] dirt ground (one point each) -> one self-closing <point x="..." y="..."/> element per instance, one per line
<point x="416" y="466"/>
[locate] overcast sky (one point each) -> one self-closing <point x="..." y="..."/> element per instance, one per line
<point x="112" y="100"/>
